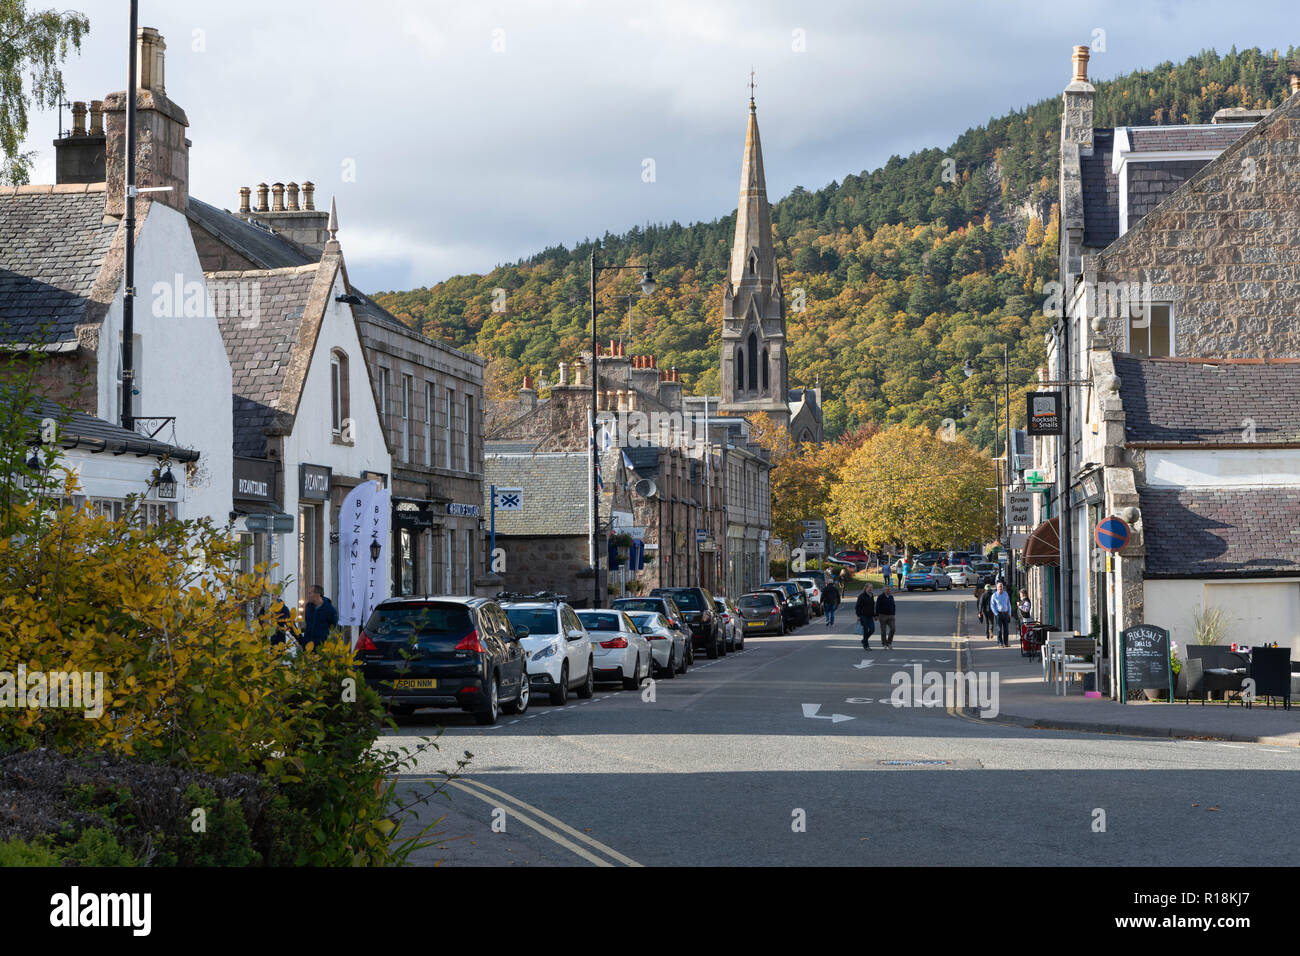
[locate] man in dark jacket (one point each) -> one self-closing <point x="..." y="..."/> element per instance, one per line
<point x="319" y="618"/>
<point x="986" y="615"/>
<point x="830" y="601"/>
<point x="865" y="609"/>
<point x="885" y="612"/>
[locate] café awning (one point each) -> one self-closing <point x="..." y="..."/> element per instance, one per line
<point x="1044" y="544"/>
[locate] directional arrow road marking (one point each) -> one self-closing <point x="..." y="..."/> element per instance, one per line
<point x="810" y="710"/>
<point x="866" y="662"/>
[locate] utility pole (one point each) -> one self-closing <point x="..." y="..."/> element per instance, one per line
<point x="128" y="294"/>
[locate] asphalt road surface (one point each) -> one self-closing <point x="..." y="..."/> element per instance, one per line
<point x="791" y="753"/>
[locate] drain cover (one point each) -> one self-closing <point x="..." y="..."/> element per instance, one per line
<point x="915" y="763"/>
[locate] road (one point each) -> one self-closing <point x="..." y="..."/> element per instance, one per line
<point x="789" y="753"/>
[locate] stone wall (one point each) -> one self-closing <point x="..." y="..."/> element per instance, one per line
<point x="1225" y="250"/>
<point x="549" y="564"/>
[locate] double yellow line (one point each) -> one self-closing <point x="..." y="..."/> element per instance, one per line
<point x="554" y="830"/>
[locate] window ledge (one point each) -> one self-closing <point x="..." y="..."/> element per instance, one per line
<point x="337" y="439"/>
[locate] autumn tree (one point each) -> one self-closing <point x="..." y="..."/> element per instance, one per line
<point x="801" y="482"/>
<point x="909" y="486"/>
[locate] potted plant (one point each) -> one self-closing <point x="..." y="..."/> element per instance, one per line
<point x="623" y="542"/>
<point x="1208" y="624"/>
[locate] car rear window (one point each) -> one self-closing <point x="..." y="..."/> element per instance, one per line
<point x="426" y="622"/>
<point x="646" y="619"/>
<point x="639" y="604"/>
<point x="538" y="620"/>
<point x="599" y="621"/>
<point x="757" y="600"/>
<point x="688" y="599"/>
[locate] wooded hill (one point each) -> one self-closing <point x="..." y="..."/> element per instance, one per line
<point x="906" y="271"/>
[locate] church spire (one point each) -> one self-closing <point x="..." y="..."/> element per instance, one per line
<point x="752" y="254"/>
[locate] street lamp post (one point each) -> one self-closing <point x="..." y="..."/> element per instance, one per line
<point x="648" y="287"/>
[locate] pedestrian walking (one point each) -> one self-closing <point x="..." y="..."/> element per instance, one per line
<point x="830" y="601"/>
<point x="865" y="609"/>
<point x="1000" y="605"/>
<point x="887" y="571"/>
<point x="886" y="614"/>
<point x="319" y="618"/>
<point x="985" y="614"/>
<point x="283" y="625"/>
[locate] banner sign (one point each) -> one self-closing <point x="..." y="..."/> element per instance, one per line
<point x="364" y="520"/>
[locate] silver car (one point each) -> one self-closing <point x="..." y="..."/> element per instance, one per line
<point x="667" y="643"/>
<point x="735" y="630"/>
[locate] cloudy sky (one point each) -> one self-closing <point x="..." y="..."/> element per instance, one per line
<point x="480" y="132"/>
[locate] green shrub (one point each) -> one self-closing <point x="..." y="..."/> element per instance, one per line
<point x="20" y="852"/>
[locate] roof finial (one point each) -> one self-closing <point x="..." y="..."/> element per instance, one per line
<point x="333" y="226"/>
<point x="752" y="84"/>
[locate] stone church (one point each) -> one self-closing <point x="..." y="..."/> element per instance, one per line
<point x="755" y="372"/>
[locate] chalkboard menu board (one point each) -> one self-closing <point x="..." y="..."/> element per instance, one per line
<point x="1146" y="657"/>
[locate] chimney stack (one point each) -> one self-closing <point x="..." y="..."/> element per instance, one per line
<point x="528" y="395"/>
<point x="292" y="213"/>
<point x="79" y="155"/>
<point x="162" y="152"/>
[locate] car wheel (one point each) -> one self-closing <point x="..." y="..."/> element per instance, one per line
<point x="669" y="672"/>
<point x="560" y="694"/>
<point x="740" y="641"/>
<point x="685" y="663"/>
<point x="588" y="687"/>
<point x="490" y="715"/>
<point x="633" y="682"/>
<point x="520" y="703"/>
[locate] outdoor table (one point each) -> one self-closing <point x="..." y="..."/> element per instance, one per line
<point x="1224" y="679"/>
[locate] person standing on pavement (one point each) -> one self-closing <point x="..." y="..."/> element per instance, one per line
<point x="1000" y="606"/>
<point x="830" y="601"/>
<point x="985" y="614"/>
<point x="885" y="614"/>
<point x="318" y="619"/>
<point x="887" y="571"/>
<point x="865" y="609"/>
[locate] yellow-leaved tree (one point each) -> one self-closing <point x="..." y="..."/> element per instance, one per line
<point x="908" y="486"/>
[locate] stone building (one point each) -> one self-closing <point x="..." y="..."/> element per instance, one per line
<point x="62" y="248"/>
<point x="1180" y="295"/>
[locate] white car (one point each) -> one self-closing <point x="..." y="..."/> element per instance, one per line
<point x="558" y="650"/>
<point x="962" y="575"/>
<point x="667" y="643"/>
<point x="620" y="651"/>
<point x="814" y="595"/>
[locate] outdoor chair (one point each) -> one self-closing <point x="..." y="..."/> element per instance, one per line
<point x="1193" y="677"/>
<point x="1078" y="656"/>
<point x="1052" y="653"/>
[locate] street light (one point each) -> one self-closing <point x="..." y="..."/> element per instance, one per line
<point x="648" y="286"/>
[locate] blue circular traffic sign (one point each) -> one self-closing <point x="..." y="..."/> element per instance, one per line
<point x="1112" y="533"/>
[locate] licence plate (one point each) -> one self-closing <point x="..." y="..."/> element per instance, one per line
<point x="753" y="624"/>
<point x="415" y="683"/>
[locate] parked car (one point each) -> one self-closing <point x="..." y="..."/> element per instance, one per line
<point x="445" y="652"/>
<point x="730" y="623"/>
<point x="926" y="558"/>
<point x="558" y="648"/>
<point x="789" y="611"/>
<point x="842" y="563"/>
<point x="697" y="606"/>
<point x="621" y="652"/>
<point x="961" y="575"/>
<point x="986" y="571"/>
<point x="860" y="559"/>
<point x="760" y="613"/>
<point x="814" y="595"/>
<point x="665" y="605"/>
<point x="821" y="577"/>
<point x="932" y="577"/>
<point x="666" y="642"/>
<point x="798" y="599"/>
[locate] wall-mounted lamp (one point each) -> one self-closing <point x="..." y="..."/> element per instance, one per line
<point x="166" y="485"/>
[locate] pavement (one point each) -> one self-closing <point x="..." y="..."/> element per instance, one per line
<point x="1026" y="700"/>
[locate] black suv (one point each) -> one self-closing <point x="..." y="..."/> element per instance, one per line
<point x="445" y="652"/>
<point x="697" y="607"/>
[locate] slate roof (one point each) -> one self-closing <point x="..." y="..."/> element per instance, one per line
<point x="1150" y="184"/>
<point x="1217" y="136"/>
<point x="268" y="250"/>
<point x="1221" y="533"/>
<point x="555" y="493"/>
<point x="1172" y="400"/>
<point x="53" y="242"/>
<point x="645" y="459"/>
<point x="260" y="349"/>
<point x="77" y="428"/>
<point x="1100" y="192"/>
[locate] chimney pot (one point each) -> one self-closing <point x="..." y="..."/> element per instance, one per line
<point x="1295" y="83"/>
<point x="79" y="118"/>
<point x="309" y="196"/>
<point x="277" y="194"/>
<point x="262" y="189"/>
<point x="244" y="193"/>
<point x="96" y="117"/>
<point x="564" y="374"/>
<point x="293" y="197"/>
<point x="1081" y="56"/>
<point x="150" y="60"/>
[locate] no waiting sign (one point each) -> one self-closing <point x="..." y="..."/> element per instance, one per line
<point x="1112" y="533"/>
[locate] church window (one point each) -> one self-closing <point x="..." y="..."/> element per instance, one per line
<point x="766" y="381"/>
<point x="753" y="362"/>
<point x="753" y="263"/>
<point x="740" y="369"/>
